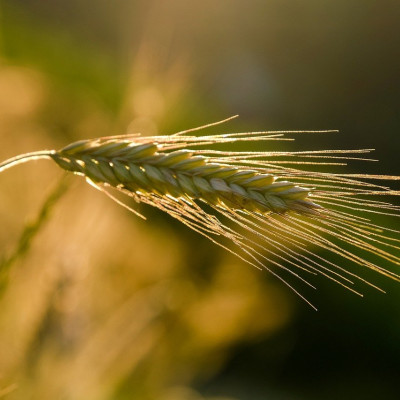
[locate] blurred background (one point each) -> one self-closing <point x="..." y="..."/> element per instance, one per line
<point x="96" y="304"/>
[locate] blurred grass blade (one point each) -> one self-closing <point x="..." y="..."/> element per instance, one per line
<point x="31" y="230"/>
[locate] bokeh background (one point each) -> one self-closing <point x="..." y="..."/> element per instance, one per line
<point x="96" y="304"/>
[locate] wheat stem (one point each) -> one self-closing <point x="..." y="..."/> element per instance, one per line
<point x="23" y="158"/>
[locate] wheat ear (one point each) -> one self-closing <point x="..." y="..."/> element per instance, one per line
<point x="272" y="211"/>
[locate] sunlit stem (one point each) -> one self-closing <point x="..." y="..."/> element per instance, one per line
<point x="36" y="155"/>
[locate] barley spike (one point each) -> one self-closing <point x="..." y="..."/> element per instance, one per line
<point x="275" y="213"/>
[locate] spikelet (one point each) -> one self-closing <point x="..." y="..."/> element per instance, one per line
<point x="275" y="214"/>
